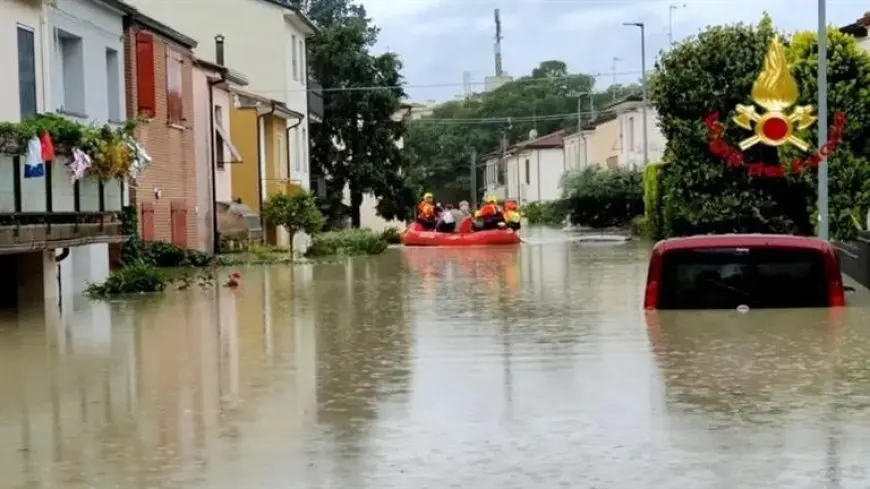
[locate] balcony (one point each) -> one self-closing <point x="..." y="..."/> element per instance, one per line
<point x="315" y="101"/>
<point x="51" y="212"/>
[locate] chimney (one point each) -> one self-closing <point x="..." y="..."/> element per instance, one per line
<point x="219" y="49"/>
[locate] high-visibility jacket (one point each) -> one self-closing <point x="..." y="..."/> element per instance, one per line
<point x="512" y="216"/>
<point x="425" y="210"/>
<point x="488" y="210"/>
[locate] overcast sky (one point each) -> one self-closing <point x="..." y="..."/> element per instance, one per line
<point x="439" y="39"/>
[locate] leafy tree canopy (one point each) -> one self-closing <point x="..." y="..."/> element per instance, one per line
<point x="356" y="144"/>
<point x="440" y="146"/>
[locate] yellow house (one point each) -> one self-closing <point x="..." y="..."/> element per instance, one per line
<point x="604" y="142"/>
<point x="259" y="127"/>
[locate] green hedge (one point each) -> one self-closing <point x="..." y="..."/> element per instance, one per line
<point x="545" y="213"/>
<point x="650" y="225"/>
<point x="349" y="242"/>
<point x="715" y="71"/>
<point x="603" y="197"/>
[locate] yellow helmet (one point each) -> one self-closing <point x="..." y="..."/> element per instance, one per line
<point x="491" y="199"/>
<point x="428" y="196"/>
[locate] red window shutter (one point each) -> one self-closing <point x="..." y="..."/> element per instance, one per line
<point x="145" y="94"/>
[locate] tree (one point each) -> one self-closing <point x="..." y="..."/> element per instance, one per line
<point x="295" y="211"/>
<point x="440" y="147"/>
<point x="356" y="144"/>
<point x="712" y="74"/>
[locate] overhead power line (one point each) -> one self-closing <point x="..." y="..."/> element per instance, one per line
<point x="530" y="81"/>
<point x="502" y="120"/>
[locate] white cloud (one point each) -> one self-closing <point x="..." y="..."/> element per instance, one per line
<point x="390" y="11"/>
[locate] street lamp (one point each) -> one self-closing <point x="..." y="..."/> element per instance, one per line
<point x="643" y="83"/>
<point x="671" y="8"/>
<point x="823" y="120"/>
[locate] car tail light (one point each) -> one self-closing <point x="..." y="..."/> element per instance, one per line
<point x="653" y="279"/>
<point x="836" y="292"/>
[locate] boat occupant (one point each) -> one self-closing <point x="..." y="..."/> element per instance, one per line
<point x="512" y="214"/>
<point x="446" y="220"/>
<point x="426" y="212"/>
<point x="489" y="216"/>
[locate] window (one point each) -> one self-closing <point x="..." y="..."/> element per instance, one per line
<point x="725" y="278"/>
<point x="146" y="100"/>
<point x="113" y="84"/>
<point x="72" y="61"/>
<point x="174" y="93"/>
<point x="528" y="172"/>
<point x="303" y="69"/>
<point x="219" y="148"/>
<point x="26" y="72"/>
<point x="222" y="141"/>
<point x="281" y="155"/>
<point x="295" y="59"/>
<point x="306" y="165"/>
<point x="631" y="143"/>
<point x="299" y="151"/>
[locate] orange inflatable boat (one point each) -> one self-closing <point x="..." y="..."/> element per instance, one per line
<point x="415" y="235"/>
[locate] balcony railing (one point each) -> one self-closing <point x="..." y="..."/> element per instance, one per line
<point x="315" y="100"/>
<point x="52" y="212"/>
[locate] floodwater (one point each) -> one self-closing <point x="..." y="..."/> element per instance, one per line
<point x="501" y="368"/>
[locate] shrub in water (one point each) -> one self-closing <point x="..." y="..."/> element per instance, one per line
<point x="349" y="242"/>
<point x="168" y="255"/>
<point x="392" y="235"/>
<point x="136" y="278"/>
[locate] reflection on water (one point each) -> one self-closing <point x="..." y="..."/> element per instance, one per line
<point x="518" y="367"/>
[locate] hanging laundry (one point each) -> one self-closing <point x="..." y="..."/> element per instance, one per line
<point x="141" y="159"/>
<point x="78" y="164"/>
<point x="34" y="165"/>
<point x="47" y="146"/>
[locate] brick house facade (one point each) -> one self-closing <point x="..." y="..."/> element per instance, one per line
<point x="159" y="84"/>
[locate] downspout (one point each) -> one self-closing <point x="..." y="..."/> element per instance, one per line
<point x="287" y="141"/>
<point x="219" y="58"/>
<point x="260" y="135"/>
<point x="538" y="164"/>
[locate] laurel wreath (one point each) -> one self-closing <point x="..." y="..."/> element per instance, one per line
<point x="735" y="158"/>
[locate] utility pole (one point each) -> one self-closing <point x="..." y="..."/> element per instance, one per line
<point x="615" y="60"/>
<point x="473" y="178"/>
<point x="643" y="82"/>
<point x="671" y="8"/>
<point x="498" y="67"/>
<point x="823" y="119"/>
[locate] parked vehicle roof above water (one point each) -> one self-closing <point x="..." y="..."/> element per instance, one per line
<point x="743" y="270"/>
<point x="742" y="240"/>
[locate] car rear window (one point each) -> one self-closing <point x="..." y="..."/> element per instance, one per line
<point x="726" y="278"/>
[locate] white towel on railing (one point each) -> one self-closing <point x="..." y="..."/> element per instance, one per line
<point x="34" y="166"/>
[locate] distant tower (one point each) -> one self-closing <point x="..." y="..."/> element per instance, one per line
<point x="498" y="68"/>
<point x="466" y="83"/>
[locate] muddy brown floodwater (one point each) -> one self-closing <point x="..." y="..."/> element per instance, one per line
<point x="494" y="368"/>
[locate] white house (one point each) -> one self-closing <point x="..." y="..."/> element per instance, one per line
<point x="529" y="171"/>
<point x="87" y="85"/>
<point x="615" y="138"/>
<point x="265" y="40"/>
<point x="63" y="57"/>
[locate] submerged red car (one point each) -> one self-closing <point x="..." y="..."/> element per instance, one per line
<point x="731" y="271"/>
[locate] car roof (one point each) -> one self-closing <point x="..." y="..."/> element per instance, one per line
<point x="742" y="241"/>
